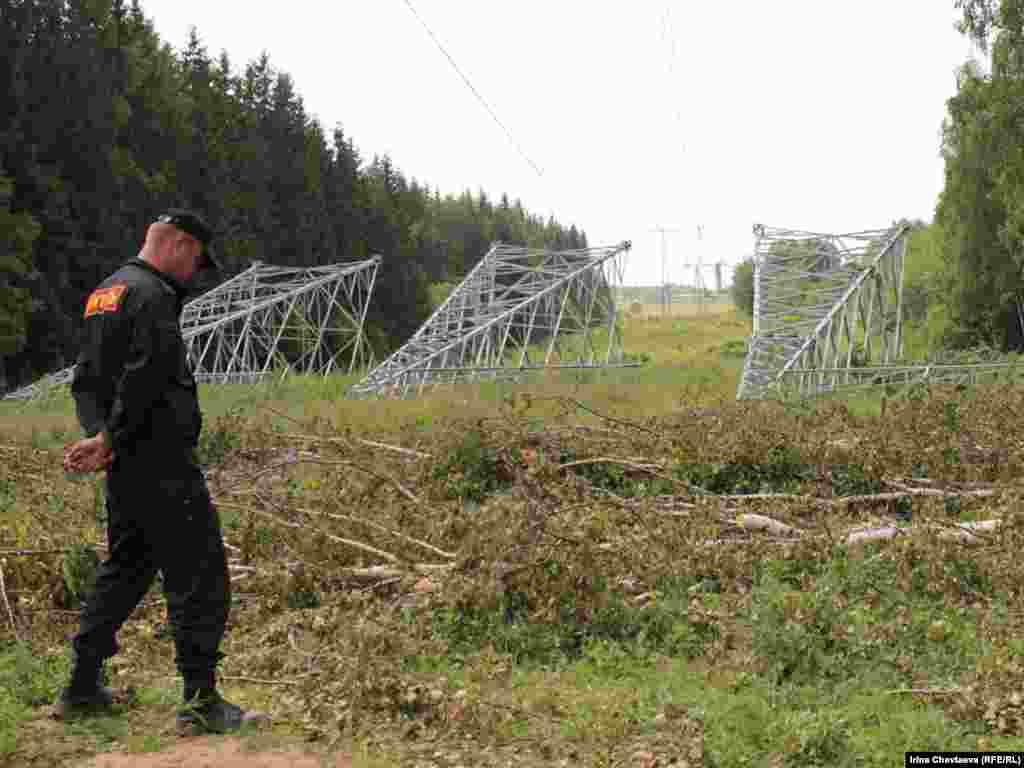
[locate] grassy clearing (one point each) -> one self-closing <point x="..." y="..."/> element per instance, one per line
<point x="545" y="582"/>
<point x="687" y="361"/>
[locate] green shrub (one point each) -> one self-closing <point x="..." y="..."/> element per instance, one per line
<point x="472" y="471"/>
<point x="79" y="568"/>
<point x="798" y="634"/>
<point x="852" y="480"/>
<point x="811" y="739"/>
<point x="781" y="470"/>
<point x="622" y="480"/>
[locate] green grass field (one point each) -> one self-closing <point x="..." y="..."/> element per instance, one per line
<point x="561" y="572"/>
<point x="687" y="360"/>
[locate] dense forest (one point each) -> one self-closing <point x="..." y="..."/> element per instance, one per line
<point x="103" y="125"/>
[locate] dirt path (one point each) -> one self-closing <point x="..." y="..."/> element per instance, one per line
<point x="215" y="752"/>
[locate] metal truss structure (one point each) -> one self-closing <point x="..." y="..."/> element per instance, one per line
<point x="267" y="319"/>
<point x="297" y="320"/>
<point x="909" y="375"/>
<point x="519" y="309"/>
<point x="825" y="306"/>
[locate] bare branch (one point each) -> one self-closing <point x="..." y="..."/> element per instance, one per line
<point x="7" y="605"/>
<point x="338" y="539"/>
<point x="381" y="528"/>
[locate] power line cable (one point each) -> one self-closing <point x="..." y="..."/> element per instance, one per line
<point x="474" y="90"/>
<point x="668" y="51"/>
<point x="670" y="42"/>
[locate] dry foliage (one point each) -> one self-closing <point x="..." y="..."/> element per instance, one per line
<point x="503" y="541"/>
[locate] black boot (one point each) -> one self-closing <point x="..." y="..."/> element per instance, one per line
<point x="85" y="694"/>
<point x="205" y="711"/>
<point x="208" y="712"/>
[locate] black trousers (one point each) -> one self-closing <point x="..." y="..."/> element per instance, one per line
<point x="160" y="518"/>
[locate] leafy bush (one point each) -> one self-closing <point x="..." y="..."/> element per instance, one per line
<point x="472" y="471"/>
<point x="852" y="480"/>
<point x="79" y="569"/>
<point x="812" y="739"/>
<point x="781" y="469"/>
<point x="799" y="634"/>
<point x="620" y="479"/>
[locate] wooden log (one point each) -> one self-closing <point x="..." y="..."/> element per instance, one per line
<point x="761" y="523"/>
<point x="865" y="535"/>
<point x="964" y="532"/>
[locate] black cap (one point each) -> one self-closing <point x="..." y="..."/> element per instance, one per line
<point x="193" y="224"/>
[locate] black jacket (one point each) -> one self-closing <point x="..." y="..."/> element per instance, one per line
<point x="132" y="378"/>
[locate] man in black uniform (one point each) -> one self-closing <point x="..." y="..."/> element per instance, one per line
<point x="136" y="400"/>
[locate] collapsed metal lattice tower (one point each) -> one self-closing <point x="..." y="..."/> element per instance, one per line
<point x="267" y="319"/>
<point x="518" y="309"/>
<point x="824" y="306"/>
<point x="295" y="319"/>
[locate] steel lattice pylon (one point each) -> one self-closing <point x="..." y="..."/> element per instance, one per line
<point x="514" y="298"/>
<point x="292" y="319"/>
<point x="824" y="306"/>
<point x="300" y="320"/>
<point x="916" y="374"/>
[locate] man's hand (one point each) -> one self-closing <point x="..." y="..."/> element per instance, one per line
<point x="88" y="455"/>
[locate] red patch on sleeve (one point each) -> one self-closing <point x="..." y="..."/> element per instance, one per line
<point x="105" y="300"/>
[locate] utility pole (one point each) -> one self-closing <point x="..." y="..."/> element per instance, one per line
<point x="698" y="271"/>
<point x="698" y="277"/>
<point x="666" y="296"/>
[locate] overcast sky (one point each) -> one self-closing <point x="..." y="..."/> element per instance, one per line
<point x="811" y="114"/>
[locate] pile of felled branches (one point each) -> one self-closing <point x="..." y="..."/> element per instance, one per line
<point x="493" y="501"/>
<point x="365" y="511"/>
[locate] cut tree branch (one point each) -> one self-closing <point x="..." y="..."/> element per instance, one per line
<point x="382" y="529"/>
<point x="7" y="605"/>
<point x="338" y="539"/>
<point x="361" y="441"/>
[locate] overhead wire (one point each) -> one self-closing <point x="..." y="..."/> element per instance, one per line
<point x="472" y="88"/>
<point x="669" y="51"/>
<point x="668" y="38"/>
